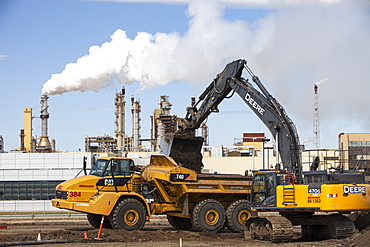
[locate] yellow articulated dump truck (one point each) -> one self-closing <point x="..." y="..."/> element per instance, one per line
<point x="128" y="197"/>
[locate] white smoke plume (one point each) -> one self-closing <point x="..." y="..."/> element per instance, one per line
<point x="307" y="140"/>
<point x="210" y="42"/>
<point x="157" y="59"/>
<point x="322" y="81"/>
<point x="288" y="48"/>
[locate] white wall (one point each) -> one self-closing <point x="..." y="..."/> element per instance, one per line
<point x="38" y="166"/>
<point x="41" y="166"/>
<point x="238" y="165"/>
<point x="235" y="165"/>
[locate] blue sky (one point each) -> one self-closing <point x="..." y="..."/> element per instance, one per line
<point x="39" y="38"/>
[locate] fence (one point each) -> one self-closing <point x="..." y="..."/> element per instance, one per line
<point x="35" y="210"/>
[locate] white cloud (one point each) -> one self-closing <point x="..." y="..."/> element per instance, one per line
<point x="4" y="57"/>
<point x="238" y="3"/>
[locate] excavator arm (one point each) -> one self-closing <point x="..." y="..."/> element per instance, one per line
<point x="214" y="94"/>
<point x="266" y="107"/>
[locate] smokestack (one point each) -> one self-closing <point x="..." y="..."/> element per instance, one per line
<point x="53" y="144"/>
<point x="135" y="124"/>
<point x="192" y="101"/>
<point x="28" y="130"/>
<point x="120" y="119"/>
<point x="44" y="144"/>
<point x="22" y="139"/>
<point x="161" y="131"/>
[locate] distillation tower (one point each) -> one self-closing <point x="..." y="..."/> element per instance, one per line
<point x="162" y="122"/>
<point x="44" y="144"/>
<point x="135" y="110"/>
<point x="120" y="119"/>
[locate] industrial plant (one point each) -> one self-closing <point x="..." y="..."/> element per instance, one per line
<point x="29" y="174"/>
<point x="161" y="122"/>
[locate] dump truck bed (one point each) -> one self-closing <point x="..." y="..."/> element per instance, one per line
<point x="175" y="186"/>
<point x="212" y="176"/>
<point x="185" y="150"/>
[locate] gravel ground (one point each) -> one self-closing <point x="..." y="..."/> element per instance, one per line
<point x="158" y="233"/>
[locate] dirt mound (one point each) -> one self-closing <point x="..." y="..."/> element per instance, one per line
<point x="359" y="239"/>
<point x="361" y="219"/>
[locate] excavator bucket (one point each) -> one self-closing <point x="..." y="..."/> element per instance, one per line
<point x="186" y="151"/>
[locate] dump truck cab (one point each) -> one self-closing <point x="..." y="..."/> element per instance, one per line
<point x="113" y="172"/>
<point x="103" y="167"/>
<point x="100" y="179"/>
<point x="112" y="185"/>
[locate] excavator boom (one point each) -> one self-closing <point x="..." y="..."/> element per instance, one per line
<point x="266" y="107"/>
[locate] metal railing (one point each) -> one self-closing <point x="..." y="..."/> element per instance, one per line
<point x="35" y="210"/>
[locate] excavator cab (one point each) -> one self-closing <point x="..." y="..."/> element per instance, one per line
<point x="264" y="187"/>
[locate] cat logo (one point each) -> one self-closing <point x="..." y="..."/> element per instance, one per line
<point x="108" y="181"/>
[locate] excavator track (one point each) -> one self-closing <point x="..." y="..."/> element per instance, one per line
<point x="328" y="226"/>
<point x="344" y="227"/>
<point x="272" y="228"/>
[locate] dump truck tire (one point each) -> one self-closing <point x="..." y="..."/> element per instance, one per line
<point x="237" y="214"/>
<point x="128" y="214"/>
<point x="95" y="219"/>
<point x="208" y="215"/>
<point x="179" y="222"/>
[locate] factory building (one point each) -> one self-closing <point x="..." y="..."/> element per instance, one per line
<point x="251" y="144"/>
<point x="162" y="122"/>
<point x="120" y="143"/>
<point x="28" y="143"/>
<point x="99" y="144"/>
<point x="355" y="149"/>
<point x="28" y="180"/>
